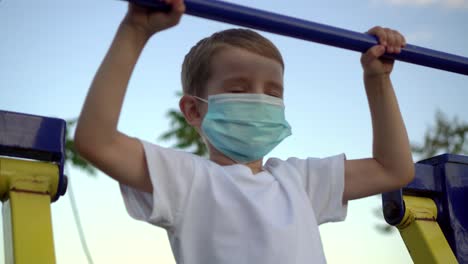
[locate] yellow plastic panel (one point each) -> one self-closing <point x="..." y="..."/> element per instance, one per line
<point x="31" y="238"/>
<point x="421" y="233"/>
<point x="26" y="188"/>
<point x="32" y="176"/>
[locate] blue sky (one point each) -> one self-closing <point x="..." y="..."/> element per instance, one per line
<point x="50" y="51"/>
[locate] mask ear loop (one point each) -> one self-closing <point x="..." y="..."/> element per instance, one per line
<point x="202" y="134"/>
<point x="205" y="138"/>
<point x="201" y="99"/>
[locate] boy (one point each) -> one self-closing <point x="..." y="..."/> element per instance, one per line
<point x="233" y="208"/>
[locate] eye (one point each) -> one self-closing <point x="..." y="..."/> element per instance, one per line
<point x="236" y="89"/>
<point x="274" y="92"/>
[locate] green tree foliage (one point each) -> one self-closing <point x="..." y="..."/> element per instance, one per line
<point x="185" y="136"/>
<point x="445" y="136"/>
<point x="72" y="157"/>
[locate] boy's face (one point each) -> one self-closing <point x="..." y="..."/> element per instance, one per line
<point x="236" y="70"/>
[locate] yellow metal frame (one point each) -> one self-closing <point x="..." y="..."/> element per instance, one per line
<point x="26" y="188"/>
<point x="421" y="233"/>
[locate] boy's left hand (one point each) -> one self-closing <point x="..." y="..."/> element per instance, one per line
<point x="390" y="41"/>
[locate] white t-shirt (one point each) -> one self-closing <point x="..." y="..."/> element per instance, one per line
<point x="225" y="214"/>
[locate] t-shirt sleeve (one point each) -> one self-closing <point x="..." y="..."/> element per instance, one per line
<point x="171" y="174"/>
<point x="323" y="180"/>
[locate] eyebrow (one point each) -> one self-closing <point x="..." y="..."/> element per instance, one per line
<point x="234" y="80"/>
<point x="275" y="85"/>
<point x="270" y="83"/>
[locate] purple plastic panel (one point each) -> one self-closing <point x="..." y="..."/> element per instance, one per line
<point x="452" y="170"/>
<point x="34" y="137"/>
<point x="444" y="179"/>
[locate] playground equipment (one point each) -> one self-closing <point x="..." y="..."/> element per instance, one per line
<point x="430" y="212"/>
<point x="437" y="194"/>
<point x="32" y="153"/>
<point x="311" y="31"/>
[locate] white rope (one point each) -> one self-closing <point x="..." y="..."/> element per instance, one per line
<point x="76" y="215"/>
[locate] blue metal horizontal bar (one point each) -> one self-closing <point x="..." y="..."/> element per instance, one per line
<point x="311" y="31"/>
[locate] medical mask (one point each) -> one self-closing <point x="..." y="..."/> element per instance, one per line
<point x="245" y="127"/>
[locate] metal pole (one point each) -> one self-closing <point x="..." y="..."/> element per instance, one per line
<point x="310" y="31"/>
<point x="26" y="189"/>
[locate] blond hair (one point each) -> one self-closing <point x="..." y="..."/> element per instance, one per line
<point x="196" y="65"/>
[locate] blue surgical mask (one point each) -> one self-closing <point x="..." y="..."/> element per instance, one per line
<point x="245" y="127"/>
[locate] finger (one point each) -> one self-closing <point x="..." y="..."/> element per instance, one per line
<point x="380" y="33"/>
<point x="172" y="3"/>
<point x="391" y="40"/>
<point x="372" y="54"/>
<point x="399" y="41"/>
<point x="134" y="8"/>
<point x="178" y="8"/>
<point x="175" y="5"/>
<point x="404" y="41"/>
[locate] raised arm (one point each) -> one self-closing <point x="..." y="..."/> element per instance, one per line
<point x="96" y="136"/>
<point x="391" y="166"/>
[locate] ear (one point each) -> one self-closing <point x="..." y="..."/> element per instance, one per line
<point x="190" y="107"/>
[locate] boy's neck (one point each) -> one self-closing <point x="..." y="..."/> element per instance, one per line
<point x="255" y="166"/>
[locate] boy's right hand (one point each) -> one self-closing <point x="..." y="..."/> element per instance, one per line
<point x="149" y="22"/>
